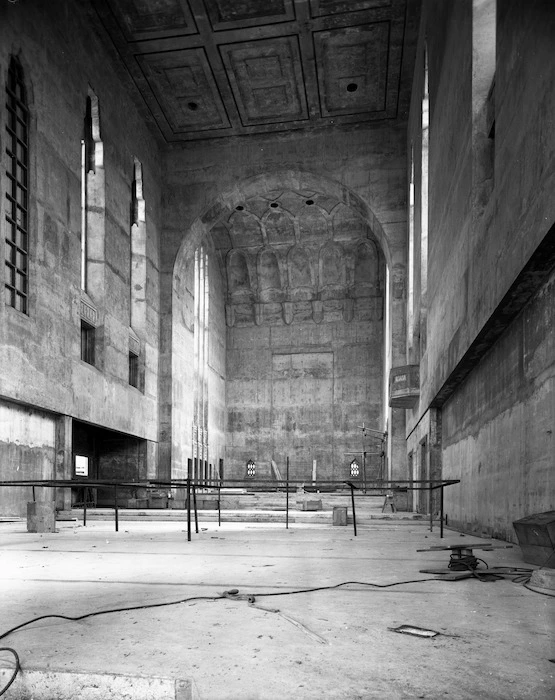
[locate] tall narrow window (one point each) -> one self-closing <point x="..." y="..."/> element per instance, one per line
<point x="484" y="13"/>
<point x="92" y="200"/>
<point x="133" y="369"/>
<point x="87" y="343"/>
<point x="200" y="360"/>
<point x="137" y="275"/>
<point x="17" y="192"/>
<point x="411" y="271"/>
<point x="424" y="210"/>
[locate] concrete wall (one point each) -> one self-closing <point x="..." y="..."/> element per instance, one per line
<point x="498" y="427"/>
<point x="301" y="391"/>
<point x="27" y="451"/>
<point x="63" y="57"/>
<point x="490" y="210"/>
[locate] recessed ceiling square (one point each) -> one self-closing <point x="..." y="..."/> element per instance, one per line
<point x="233" y="14"/>
<point x="141" y="19"/>
<point x="352" y="69"/>
<point x="185" y="89"/>
<point x="320" y="8"/>
<point x="266" y="80"/>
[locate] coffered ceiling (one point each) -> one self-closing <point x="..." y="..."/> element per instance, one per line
<point x="213" y="68"/>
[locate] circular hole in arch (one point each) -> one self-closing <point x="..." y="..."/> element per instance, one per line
<point x="193" y="106"/>
<point x="352" y="87"/>
<point x="274" y="205"/>
<point x="239" y="207"/>
<point x="309" y="202"/>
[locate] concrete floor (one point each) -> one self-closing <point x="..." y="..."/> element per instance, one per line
<point x="496" y="639"/>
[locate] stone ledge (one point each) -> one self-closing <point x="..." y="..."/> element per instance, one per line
<point x="64" y="685"/>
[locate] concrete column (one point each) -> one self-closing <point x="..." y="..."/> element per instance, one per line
<point x="397" y="449"/>
<point x="63" y="468"/>
<point x="435" y="454"/>
<point x="151" y="462"/>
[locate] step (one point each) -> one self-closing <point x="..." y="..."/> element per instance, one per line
<point x="269" y="516"/>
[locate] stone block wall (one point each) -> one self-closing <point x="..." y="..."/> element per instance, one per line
<point x="63" y="59"/>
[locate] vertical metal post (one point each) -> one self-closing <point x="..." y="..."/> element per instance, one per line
<point x="219" y="505"/>
<point x="353" y="506"/>
<point x="195" y="507"/>
<point x="287" y="496"/>
<point x="430" y="507"/>
<point x="363" y="467"/>
<point x="84" y="512"/>
<point x="441" y="512"/>
<point x="116" y="505"/>
<point x="188" y="510"/>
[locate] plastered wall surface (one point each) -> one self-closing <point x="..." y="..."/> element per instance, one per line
<point x="62" y="58"/>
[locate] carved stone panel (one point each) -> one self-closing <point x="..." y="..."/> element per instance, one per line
<point x="279" y="228"/>
<point x="266" y="80"/>
<point x="269" y="277"/>
<point x="238" y="278"/>
<point x="245" y="230"/>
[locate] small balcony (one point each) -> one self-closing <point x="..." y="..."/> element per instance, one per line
<point x="404" y="386"/>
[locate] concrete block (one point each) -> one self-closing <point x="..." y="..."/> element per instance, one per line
<point x="311" y="505"/>
<point x="401" y="500"/>
<point x="45" y="685"/>
<point x="41" y="517"/>
<point x="339" y="515"/>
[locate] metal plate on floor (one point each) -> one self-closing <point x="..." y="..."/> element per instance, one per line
<point x="414" y="631"/>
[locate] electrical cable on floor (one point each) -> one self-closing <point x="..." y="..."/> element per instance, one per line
<point x="464" y="562"/>
<point x="16" y="670"/>
<point x="232" y="594"/>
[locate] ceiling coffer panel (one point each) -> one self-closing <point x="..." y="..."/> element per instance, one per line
<point x="321" y="8"/>
<point x="235" y="14"/>
<point x="150" y="19"/>
<point x="266" y="79"/>
<point x="185" y="90"/>
<point x="352" y="69"/>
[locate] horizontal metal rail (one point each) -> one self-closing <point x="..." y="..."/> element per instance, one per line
<point x="191" y="486"/>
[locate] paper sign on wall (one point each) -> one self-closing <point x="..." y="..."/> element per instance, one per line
<point x="81" y="465"/>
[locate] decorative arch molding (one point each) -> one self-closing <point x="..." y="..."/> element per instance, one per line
<point x="227" y="201"/>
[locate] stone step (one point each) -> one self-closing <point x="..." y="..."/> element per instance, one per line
<point x="324" y="517"/>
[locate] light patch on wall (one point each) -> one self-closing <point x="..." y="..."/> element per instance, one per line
<point x="24" y="427"/>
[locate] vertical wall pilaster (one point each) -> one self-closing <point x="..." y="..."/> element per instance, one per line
<point x="63" y="468"/>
